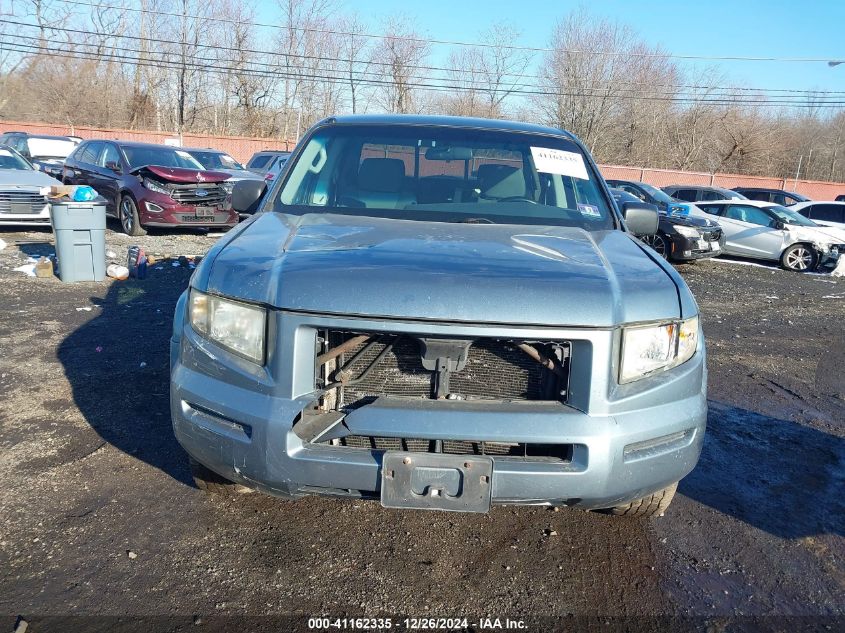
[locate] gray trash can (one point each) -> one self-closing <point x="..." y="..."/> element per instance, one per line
<point x="80" y="230"/>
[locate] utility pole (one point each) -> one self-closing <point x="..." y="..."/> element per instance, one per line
<point x="180" y="114"/>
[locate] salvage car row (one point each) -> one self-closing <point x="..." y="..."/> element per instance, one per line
<point x="144" y="185"/>
<point x="149" y="185"/>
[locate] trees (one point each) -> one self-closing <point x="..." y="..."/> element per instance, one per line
<point x="216" y="66"/>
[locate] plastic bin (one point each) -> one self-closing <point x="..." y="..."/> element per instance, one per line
<point x="80" y="230"/>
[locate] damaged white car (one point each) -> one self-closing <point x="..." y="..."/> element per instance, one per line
<point x="764" y="230"/>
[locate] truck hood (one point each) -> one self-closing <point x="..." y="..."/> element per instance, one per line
<point x="339" y="264"/>
<point x="25" y="179"/>
<point x="180" y="174"/>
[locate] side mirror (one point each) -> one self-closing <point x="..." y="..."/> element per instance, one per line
<point x="640" y="218"/>
<point x="780" y="225"/>
<point x="246" y="194"/>
<point x="113" y="166"/>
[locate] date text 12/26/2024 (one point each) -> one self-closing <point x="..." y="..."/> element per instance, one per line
<point x="416" y="624"/>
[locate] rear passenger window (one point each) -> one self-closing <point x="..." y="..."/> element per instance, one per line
<point x="827" y="213"/>
<point x="259" y="161"/>
<point x="88" y="153"/>
<point x="687" y="195"/>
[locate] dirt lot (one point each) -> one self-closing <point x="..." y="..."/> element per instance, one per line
<point x="99" y="517"/>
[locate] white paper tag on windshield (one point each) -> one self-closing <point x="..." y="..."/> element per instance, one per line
<point x="557" y="161"/>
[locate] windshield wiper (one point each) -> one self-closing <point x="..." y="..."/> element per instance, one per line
<point x="475" y="221"/>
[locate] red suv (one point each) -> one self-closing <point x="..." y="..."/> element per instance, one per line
<point x="149" y="185"/>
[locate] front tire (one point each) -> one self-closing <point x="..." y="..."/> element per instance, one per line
<point x="799" y="258"/>
<point x="658" y="243"/>
<point x="653" y="505"/>
<point x="127" y="213"/>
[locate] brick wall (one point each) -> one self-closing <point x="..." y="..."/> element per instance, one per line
<point x="242" y="147"/>
<point x="814" y="189"/>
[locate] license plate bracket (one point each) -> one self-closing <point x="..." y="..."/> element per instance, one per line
<point x="204" y="212"/>
<point x="433" y="481"/>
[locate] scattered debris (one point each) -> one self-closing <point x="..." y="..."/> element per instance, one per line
<point x="143" y="364"/>
<point x="132" y="555"/>
<point x="27" y="269"/>
<point x="2" y="244"/>
<point x="111" y="254"/>
<point x="44" y="268"/>
<point x="116" y="271"/>
<point x="21" y="625"/>
<point x="85" y="308"/>
<point x="839" y="271"/>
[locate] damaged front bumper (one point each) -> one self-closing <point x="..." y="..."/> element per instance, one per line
<point x="612" y="443"/>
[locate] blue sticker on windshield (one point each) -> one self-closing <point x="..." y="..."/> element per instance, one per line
<point x="679" y="209"/>
<point x="590" y="210"/>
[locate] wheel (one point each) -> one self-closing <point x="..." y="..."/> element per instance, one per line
<point x="209" y="481"/>
<point x="799" y="258"/>
<point x="653" y="504"/>
<point x="128" y="214"/>
<point x="658" y="243"/>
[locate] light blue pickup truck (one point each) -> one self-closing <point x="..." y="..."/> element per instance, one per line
<point x="440" y="313"/>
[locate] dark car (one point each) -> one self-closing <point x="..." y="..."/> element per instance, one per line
<point x="699" y="193"/>
<point x="151" y="185"/>
<point x="680" y="237"/>
<point x="778" y="196"/>
<point x="648" y="194"/>
<point x="46" y="153"/>
<point x="261" y="162"/>
<point x="218" y="160"/>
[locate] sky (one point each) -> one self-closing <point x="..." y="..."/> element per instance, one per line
<point x="742" y="28"/>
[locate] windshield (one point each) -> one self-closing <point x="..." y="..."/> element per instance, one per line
<point x="46" y="147"/>
<point x="788" y="216"/>
<point x="657" y="194"/>
<point x="10" y="160"/>
<point x="216" y="160"/>
<point x="445" y="174"/>
<point x="163" y="156"/>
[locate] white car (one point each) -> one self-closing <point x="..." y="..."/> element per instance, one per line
<point x="23" y="191"/>
<point x="764" y="230"/>
<point x="823" y="213"/>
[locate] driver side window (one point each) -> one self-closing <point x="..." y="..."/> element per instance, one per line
<point x="752" y="215"/>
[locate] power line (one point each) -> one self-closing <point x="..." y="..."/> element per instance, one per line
<point x="712" y="91"/>
<point x="421" y="40"/>
<point x="314" y="78"/>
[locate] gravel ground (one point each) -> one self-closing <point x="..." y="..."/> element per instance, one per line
<point x="99" y="516"/>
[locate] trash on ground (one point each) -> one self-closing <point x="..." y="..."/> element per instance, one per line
<point x="28" y="269"/>
<point x="85" y="308"/>
<point x="136" y="262"/>
<point x="116" y="271"/>
<point x="44" y="268"/>
<point x="2" y="244"/>
<point x="111" y="254"/>
<point x="839" y="271"/>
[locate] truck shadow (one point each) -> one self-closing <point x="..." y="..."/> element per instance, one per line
<point x="776" y="475"/>
<point x="118" y="366"/>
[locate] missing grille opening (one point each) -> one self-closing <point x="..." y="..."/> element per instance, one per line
<point x="355" y="368"/>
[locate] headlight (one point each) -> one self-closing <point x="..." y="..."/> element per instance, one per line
<point x="647" y="349"/>
<point x="152" y="185"/>
<point x="228" y="185"/>
<point x="687" y="231"/>
<point x="238" y="327"/>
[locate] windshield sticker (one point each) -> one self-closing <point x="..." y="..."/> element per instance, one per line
<point x="557" y="161"/>
<point x="183" y="154"/>
<point x="589" y="210"/>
